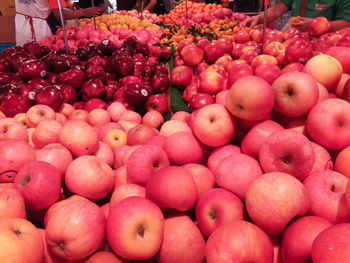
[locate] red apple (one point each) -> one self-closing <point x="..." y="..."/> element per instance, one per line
<point x="181" y="76"/>
<point x="192" y="55"/>
<point x="135" y="228"/>
<point x="319" y="26"/>
<point x="11" y="203"/>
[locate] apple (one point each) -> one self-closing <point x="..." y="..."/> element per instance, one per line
<point x="153" y="118"/>
<point x="341" y="162"/>
<point x="180" y="234"/>
<point x="173" y="126"/>
<point x="162" y="188"/>
<point x="268" y="201"/>
<point x="228" y="241"/>
<point x="183" y="148"/>
<point x="131" y="116"/>
<point x="89" y="176"/>
<point x="320" y="125"/>
<point x="126" y="190"/>
<point x="180" y="116"/>
<point x="319" y="26"/>
<point x="263" y="60"/>
<point x="250" y="98"/>
<point x="330" y="186"/>
<point x="192" y="55"/>
<point x="46" y="132"/>
<point x="236" y="172"/>
<point x="213" y="51"/>
<point x="213" y="125"/>
<point x="11" y="128"/>
<point x="55" y="154"/>
<point x="226" y="44"/>
<point x="38" y="113"/>
<point x="79" y="138"/>
<point x="23" y="241"/>
<point x="79" y="115"/>
<point x="11" y="203"/>
<point x="217" y="207"/>
<point x="268" y="72"/>
<point x="329" y="245"/>
<point x="287" y="151"/>
<point x="98" y="117"/>
<point x="11" y="161"/>
<point x="276" y="49"/>
<point x="135" y="228"/>
<point x="181" y="76"/>
<point x="140" y="134"/>
<point x="298" y="50"/>
<point x="104" y="256"/>
<point x="292" y="67"/>
<point x="241" y="37"/>
<point x="202" y="176"/>
<point x="115" y="110"/>
<point x="104" y="128"/>
<point x="144" y="162"/>
<point x="199" y="100"/>
<point x="211" y="82"/>
<point x="339" y="89"/>
<point x="325" y="69"/>
<point x="39" y="183"/>
<point x="295" y="94"/>
<point x="105" y="153"/>
<point x="299" y="236"/>
<point x="86" y="218"/>
<point x="219" y="154"/>
<point x="323" y="160"/>
<point x="158" y="102"/>
<point x="342" y="55"/>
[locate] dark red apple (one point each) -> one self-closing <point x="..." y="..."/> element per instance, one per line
<point x="32" y="69"/>
<point x="181" y="76"/>
<point x="50" y="96"/>
<point x="298" y="51"/>
<point x="158" y="102"/>
<point x="107" y="47"/>
<point x="136" y="94"/>
<point x="97" y="72"/>
<point x="74" y="77"/>
<point x="124" y="66"/>
<point x="13" y="104"/>
<point x="93" y="88"/>
<point x="95" y="103"/>
<point x="70" y="94"/>
<point x="160" y="82"/>
<point x="200" y="100"/>
<point x="33" y="48"/>
<point x="189" y="92"/>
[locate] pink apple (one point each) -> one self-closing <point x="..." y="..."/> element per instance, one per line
<point x="217" y="207"/>
<point x="329" y="245"/>
<point x="250" y="98"/>
<point x="229" y="240"/>
<point x="192" y="55"/>
<point x="327" y="118"/>
<point x="144" y="162"/>
<point x="180" y="234"/>
<point x="39" y="183"/>
<point x="115" y="110"/>
<point x="46" y="132"/>
<point x="287" y="151"/>
<point x="11" y="203"/>
<point x="162" y="188"/>
<point x="119" y="153"/>
<point x="38" y="113"/>
<point x="236" y="173"/>
<point x="140" y="134"/>
<point x="252" y="142"/>
<point x="213" y="125"/>
<point x="23" y="241"/>
<point x="342" y="54"/>
<point x="339" y="89"/>
<point x="12" y="129"/>
<point x="183" y="148"/>
<point x="268" y="201"/>
<point x="135" y="228"/>
<point x="98" y="117"/>
<point x="120" y="176"/>
<point x="211" y="82"/>
<point x="173" y="126"/>
<point x="105" y="153"/>
<point x="79" y="115"/>
<point x="89" y="176"/>
<point x="126" y="190"/>
<point x="219" y="154"/>
<point x="181" y="76"/>
<point x="153" y="119"/>
<point x="87" y="220"/>
<point x="268" y="72"/>
<point x="324" y="69"/>
<point x="295" y="94"/>
<point x="299" y="236"/>
<point x="202" y="176"/>
<point x="79" y="138"/>
<point x="104" y="256"/>
<point x="11" y="160"/>
<point x="323" y="160"/>
<point x="131" y="116"/>
<point x="329" y="186"/>
<point x="181" y="116"/>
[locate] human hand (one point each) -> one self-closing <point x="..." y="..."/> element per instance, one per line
<point x="92" y="11"/>
<point x="251" y="21"/>
<point x="300" y="23"/>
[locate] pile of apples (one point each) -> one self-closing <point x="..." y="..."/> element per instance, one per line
<point x="153" y="18"/>
<point x="205" y="70"/>
<point x="93" y="76"/>
<point x="78" y="36"/>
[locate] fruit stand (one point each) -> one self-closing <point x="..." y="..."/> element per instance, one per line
<point x="185" y="137"/>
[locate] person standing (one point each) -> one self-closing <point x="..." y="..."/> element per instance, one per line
<point x="31" y="20"/>
<point x="125" y="4"/>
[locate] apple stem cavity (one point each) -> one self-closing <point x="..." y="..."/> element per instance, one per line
<point x="62" y="245"/>
<point x="213" y="214"/>
<point x="25" y="180"/>
<point x="17" y="232"/>
<point x="141" y="231"/>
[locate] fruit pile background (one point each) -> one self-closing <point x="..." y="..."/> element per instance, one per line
<point x="176" y="140"/>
